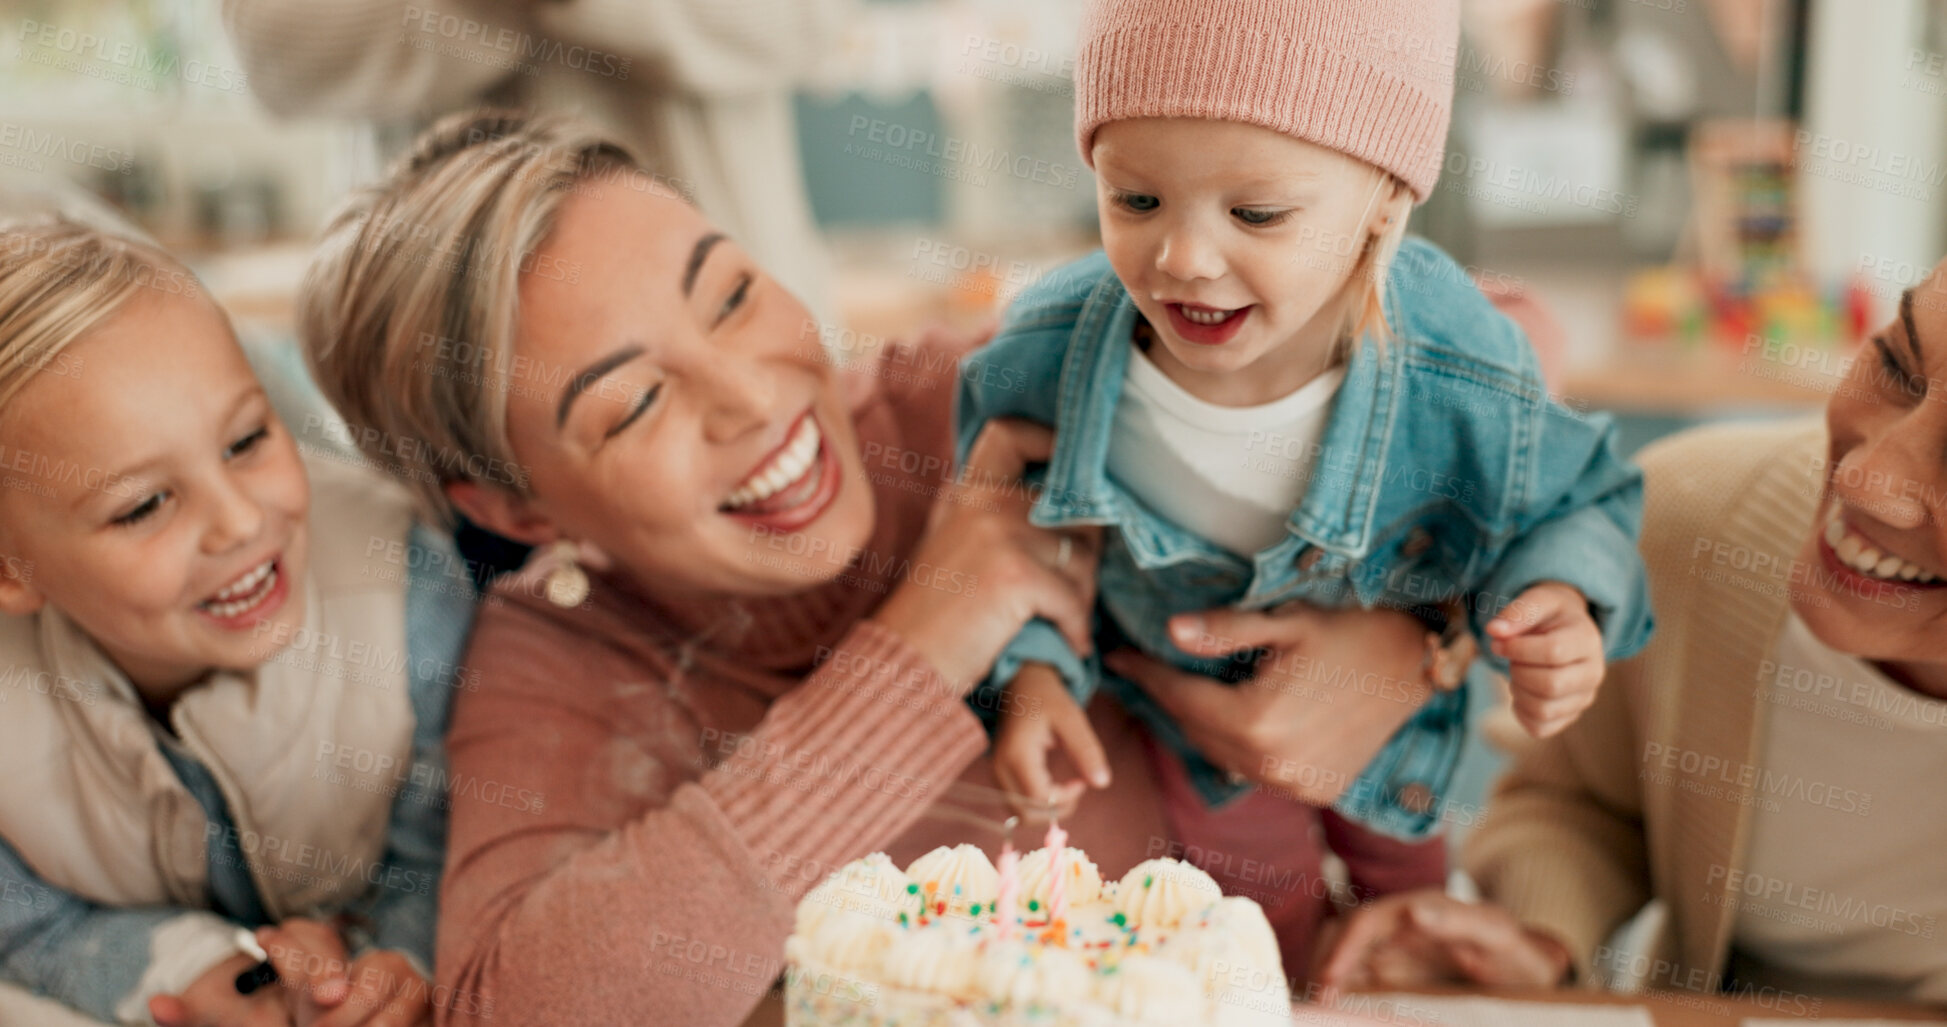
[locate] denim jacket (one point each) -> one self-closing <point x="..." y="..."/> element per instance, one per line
<point x="1444" y="472"/>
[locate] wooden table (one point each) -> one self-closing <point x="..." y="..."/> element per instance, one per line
<point x="1668" y="1009"/>
<point x="1687" y="1009"/>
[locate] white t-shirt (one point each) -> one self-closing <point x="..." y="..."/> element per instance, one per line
<point x="1845" y="873"/>
<point x="1232" y="475"/>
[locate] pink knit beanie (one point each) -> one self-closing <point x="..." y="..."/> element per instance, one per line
<point x="1370" y="78"/>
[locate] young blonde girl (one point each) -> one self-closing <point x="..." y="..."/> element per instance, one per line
<point x="226" y="671"/>
<point x="1268" y="394"/>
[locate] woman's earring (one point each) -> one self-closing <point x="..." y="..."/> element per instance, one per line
<point x="567" y="583"/>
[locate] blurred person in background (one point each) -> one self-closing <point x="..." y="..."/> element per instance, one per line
<point x="701" y="88"/>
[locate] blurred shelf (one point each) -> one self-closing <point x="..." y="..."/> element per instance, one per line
<point x="256" y="284"/>
<point x="1672" y="381"/>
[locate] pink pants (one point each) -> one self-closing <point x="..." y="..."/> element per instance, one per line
<point x="1271" y="849"/>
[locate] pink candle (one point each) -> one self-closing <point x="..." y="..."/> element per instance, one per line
<point x="1057" y="872"/>
<point x="1004" y="911"/>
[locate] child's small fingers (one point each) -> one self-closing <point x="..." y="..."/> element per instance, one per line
<point x="357" y="1010"/>
<point x="1545" y="717"/>
<point x="1547" y="683"/>
<point x="1544" y="649"/>
<point x="331" y="991"/>
<point x="1083" y="748"/>
<point x="170" y="1011"/>
<point x="1031" y="780"/>
<point x="1066" y="797"/>
<point x="1531" y="610"/>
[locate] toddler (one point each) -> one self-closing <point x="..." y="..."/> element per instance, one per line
<point x="1266" y="393"/>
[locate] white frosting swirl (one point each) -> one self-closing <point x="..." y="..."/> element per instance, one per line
<point x="1244" y="920"/>
<point x="1231" y="934"/>
<point x="1151" y="989"/>
<point x="1231" y="948"/>
<point x="1013" y="973"/>
<point x="1161" y="892"/>
<point x="850" y="943"/>
<point x="871" y="887"/>
<point x="1084" y="878"/>
<point x="960" y="877"/>
<point x="941" y="957"/>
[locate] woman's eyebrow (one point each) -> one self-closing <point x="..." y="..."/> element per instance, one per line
<point x="1906" y="318"/>
<point x="697" y="253"/>
<point x="589" y="376"/>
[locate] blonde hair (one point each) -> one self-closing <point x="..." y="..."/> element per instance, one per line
<point x="60" y="280"/>
<point x="408" y="311"/>
<point x="1365" y="307"/>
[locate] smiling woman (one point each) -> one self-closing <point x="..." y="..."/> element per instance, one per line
<point x="1769" y="766"/>
<point x="763" y="679"/>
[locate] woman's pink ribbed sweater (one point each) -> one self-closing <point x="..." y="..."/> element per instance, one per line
<point x="642" y="790"/>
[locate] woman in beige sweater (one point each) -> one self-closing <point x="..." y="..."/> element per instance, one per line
<point x="1770" y="766"/>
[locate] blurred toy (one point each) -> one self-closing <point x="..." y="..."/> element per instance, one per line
<point x="1746" y="277"/>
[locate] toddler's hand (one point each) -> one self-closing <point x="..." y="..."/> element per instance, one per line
<point x="1037" y="715"/>
<point x="212" y="1001"/>
<point x="311" y="967"/>
<point x="1554" y="653"/>
<point x="386" y="992"/>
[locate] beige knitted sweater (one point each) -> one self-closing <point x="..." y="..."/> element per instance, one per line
<point x="1647" y="796"/>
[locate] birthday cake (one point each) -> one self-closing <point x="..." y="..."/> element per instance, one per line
<point x="1042" y="940"/>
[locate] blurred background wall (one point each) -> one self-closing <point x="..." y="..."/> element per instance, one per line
<point x="1713" y="197"/>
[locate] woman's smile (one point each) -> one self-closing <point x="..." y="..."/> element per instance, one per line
<point x="792" y="485"/>
<point x="1852" y="552"/>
